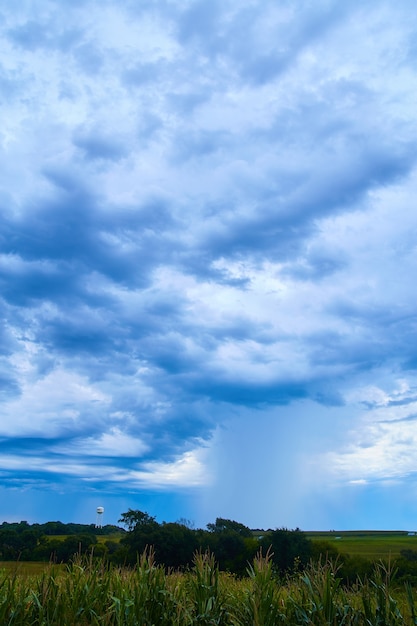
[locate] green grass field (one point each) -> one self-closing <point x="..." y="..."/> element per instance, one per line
<point x="372" y="545"/>
<point x="100" y="538"/>
<point x="28" y="568"/>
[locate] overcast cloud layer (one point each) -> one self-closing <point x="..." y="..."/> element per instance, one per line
<point x="208" y="260"/>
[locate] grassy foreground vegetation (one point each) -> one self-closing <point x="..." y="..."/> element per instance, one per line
<point x="75" y="575"/>
<point x="91" y="591"/>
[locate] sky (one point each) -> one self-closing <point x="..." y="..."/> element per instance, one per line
<point x="208" y="261"/>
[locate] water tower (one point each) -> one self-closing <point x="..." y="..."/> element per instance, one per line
<point x="99" y="518"/>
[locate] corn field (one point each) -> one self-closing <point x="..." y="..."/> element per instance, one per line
<point x="92" y="592"/>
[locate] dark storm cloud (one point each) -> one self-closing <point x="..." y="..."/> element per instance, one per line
<point x="246" y="393"/>
<point x="383" y="335"/>
<point x="78" y="335"/>
<point x="23" y="283"/>
<point x="68" y="237"/>
<point x="277" y="228"/>
<point x="204" y="216"/>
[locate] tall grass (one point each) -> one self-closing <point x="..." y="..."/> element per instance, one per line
<point x="91" y="591"/>
<point x="263" y="602"/>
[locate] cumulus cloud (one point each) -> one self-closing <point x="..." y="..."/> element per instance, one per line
<point x="382" y="446"/>
<point x="200" y="229"/>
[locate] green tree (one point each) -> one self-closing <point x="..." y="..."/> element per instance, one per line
<point x="134" y="519"/>
<point x="232" y="544"/>
<point x="290" y="548"/>
<point x="29" y="542"/>
<point x="10" y="544"/>
<point x="222" y="525"/>
<point x="175" y="545"/>
<point x="142" y="532"/>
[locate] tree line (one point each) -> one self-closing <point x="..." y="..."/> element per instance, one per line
<point x="52" y="541"/>
<point x="233" y="544"/>
<point x="175" y="544"/>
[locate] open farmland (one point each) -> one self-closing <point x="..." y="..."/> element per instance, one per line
<point x="372" y="545"/>
<point x="90" y="589"/>
<point x="91" y="592"/>
<point x="116" y="536"/>
<point x="28" y="568"/>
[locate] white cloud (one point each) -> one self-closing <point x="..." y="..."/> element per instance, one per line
<point x="192" y="221"/>
<point x="383" y="443"/>
<point x="188" y="470"/>
<point x="107" y="444"/>
<point x="51" y="405"/>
